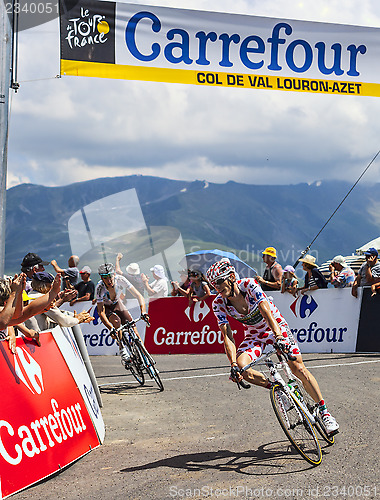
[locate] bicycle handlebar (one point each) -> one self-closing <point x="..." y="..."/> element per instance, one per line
<point x="131" y="324"/>
<point x="243" y="384"/>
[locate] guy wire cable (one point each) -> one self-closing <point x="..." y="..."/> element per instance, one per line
<point x="335" y="211"/>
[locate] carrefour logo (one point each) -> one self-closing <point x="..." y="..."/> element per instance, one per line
<point x="28" y="371"/>
<point x="199" y="312"/>
<point x="305" y="307"/>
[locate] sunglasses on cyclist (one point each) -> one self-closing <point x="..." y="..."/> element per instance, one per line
<point x="105" y="275"/>
<point x="219" y="282"/>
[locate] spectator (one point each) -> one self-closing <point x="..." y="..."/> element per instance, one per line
<point x="314" y="279"/>
<point x="341" y="275"/>
<point x="271" y="279"/>
<point x="368" y="272"/>
<point x="289" y="280"/>
<point x="42" y="284"/>
<point x="375" y="287"/>
<point x="14" y="308"/>
<point x="159" y="287"/>
<point x="32" y="263"/>
<point x="7" y="332"/>
<point x="85" y="288"/>
<point x="199" y="289"/>
<point x="133" y="275"/>
<point x="180" y="288"/>
<point x="70" y="275"/>
<point x="10" y="301"/>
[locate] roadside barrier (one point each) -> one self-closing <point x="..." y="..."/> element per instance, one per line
<point x="328" y="320"/>
<point x="49" y="414"/>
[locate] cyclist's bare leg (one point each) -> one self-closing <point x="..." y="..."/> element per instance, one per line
<point x="138" y="335"/>
<point x="123" y="317"/>
<point x="116" y="323"/>
<point x="252" y="376"/>
<point x="308" y="380"/>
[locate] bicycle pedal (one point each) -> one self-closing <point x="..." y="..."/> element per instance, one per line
<point x="333" y="433"/>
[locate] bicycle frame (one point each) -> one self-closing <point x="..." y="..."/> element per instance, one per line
<point x="128" y="328"/>
<point x="130" y="332"/>
<point x="276" y="377"/>
<point x="135" y="343"/>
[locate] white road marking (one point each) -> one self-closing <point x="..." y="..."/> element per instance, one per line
<point x="343" y="364"/>
<point x="311" y="367"/>
<point x="227" y="373"/>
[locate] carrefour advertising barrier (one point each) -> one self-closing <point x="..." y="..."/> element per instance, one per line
<point x="321" y="321"/>
<point x="45" y="421"/>
<point x="141" y="42"/>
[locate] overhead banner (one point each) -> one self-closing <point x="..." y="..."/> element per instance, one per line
<point x="140" y="42"/>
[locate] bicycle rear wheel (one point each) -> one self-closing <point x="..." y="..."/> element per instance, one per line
<point x="149" y="363"/>
<point x="296" y="425"/>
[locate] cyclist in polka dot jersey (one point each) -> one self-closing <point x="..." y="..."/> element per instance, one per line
<point x="245" y="301"/>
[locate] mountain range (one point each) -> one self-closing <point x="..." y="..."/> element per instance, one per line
<point x="242" y="218"/>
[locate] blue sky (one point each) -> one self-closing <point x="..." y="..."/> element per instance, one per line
<point x="74" y="129"/>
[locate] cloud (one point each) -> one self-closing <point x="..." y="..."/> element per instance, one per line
<point x="71" y="129"/>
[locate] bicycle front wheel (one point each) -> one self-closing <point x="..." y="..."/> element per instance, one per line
<point x="149" y="363"/>
<point x="296" y="425"/>
<point x="135" y="366"/>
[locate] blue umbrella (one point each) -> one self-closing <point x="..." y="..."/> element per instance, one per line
<point x="202" y="260"/>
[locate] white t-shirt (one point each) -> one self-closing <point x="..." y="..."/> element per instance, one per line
<point x="160" y="287"/>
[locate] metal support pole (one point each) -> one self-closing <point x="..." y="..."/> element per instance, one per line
<point x="5" y="80"/>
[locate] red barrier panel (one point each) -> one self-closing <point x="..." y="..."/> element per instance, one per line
<point x="44" y="423"/>
<point x="177" y="328"/>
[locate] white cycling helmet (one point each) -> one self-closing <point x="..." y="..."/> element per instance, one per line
<point x="106" y="269"/>
<point x="220" y="270"/>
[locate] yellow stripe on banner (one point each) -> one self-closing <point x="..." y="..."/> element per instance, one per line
<point x="192" y="77"/>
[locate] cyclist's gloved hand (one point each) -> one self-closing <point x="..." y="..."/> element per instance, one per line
<point x="235" y="374"/>
<point x="146" y="318"/>
<point x="283" y="344"/>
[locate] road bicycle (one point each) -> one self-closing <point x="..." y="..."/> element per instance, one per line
<point x="141" y="361"/>
<point x="295" y="410"/>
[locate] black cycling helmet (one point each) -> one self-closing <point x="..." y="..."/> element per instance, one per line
<point x="106" y="269"/>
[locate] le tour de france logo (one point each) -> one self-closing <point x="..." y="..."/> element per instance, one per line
<point x="304" y="307"/>
<point x="87" y="29"/>
<point x="28" y="371"/>
<point x="88" y="33"/>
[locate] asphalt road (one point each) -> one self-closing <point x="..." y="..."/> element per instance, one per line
<point x="202" y="438"/>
